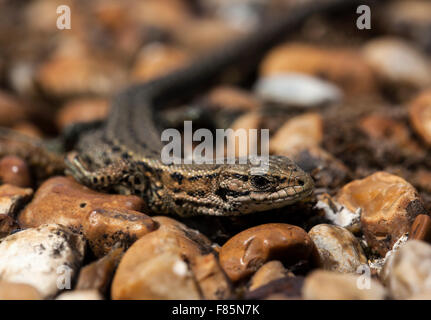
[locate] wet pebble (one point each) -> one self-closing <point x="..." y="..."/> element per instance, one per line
<point x="104" y="219"/>
<point x="14" y="171"/>
<point x="98" y="274"/>
<point x="339" y="250"/>
<point x="388" y="205"/>
<point x="173" y="262"/>
<point x="41" y="257"/>
<point x="270" y="271"/>
<point x="243" y="254"/>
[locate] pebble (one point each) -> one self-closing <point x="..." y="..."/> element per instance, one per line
<point x="103" y="218"/>
<point x="344" y="67"/>
<point x="243" y="254"/>
<point x="11" y="110"/>
<point x="409" y="18"/>
<point x="43" y="257"/>
<point x="13" y="199"/>
<point x="388" y="206"/>
<point x="157" y="59"/>
<point x="328" y="285"/>
<point x="232" y="99"/>
<point x="302" y="131"/>
<point x="296" y="89"/>
<point x="420" y="115"/>
<point x="80" y="295"/>
<point x="81" y="110"/>
<point x="421" y="228"/>
<point x="408" y="271"/>
<point x="248" y="121"/>
<point x="338" y="214"/>
<point x="173" y="262"/>
<point x="18" y="291"/>
<point x="205" y="34"/>
<point x="98" y="274"/>
<point x="339" y="250"/>
<point x="165" y="15"/>
<point x="381" y="128"/>
<point x="86" y="74"/>
<point x="398" y="62"/>
<point x="288" y="287"/>
<point x="324" y="168"/>
<point x="14" y="171"/>
<point x="7" y="225"/>
<point x="270" y="271"/>
<point x="29" y="129"/>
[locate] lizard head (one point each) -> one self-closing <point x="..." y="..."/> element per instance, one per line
<point x="277" y="183"/>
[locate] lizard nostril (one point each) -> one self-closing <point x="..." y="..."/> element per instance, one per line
<point x="300" y="182"/>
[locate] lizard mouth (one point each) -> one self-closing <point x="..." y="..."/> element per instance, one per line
<point x="285" y="195"/>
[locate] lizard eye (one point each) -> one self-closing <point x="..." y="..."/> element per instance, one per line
<point x="260" y="182"/>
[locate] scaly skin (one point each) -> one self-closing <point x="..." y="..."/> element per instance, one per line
<point x="125" y="154"/>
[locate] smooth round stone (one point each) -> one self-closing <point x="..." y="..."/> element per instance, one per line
<point x="42" y="257"/>
<point x="296" y="89"/>
<point x="408" y="271"/>
<point x="248" y="250"/>
<point x="388" y="204"/>
<point x="338" y="248"/>
<point x="398" y="62"/>
<point x="327" y="285"/>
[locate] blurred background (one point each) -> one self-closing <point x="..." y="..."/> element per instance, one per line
<point x="356" y="100"/>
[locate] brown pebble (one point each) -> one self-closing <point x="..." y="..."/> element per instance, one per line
<point x="28" y="129"/>
<point x="11" y="110"/>
<point x="288" y="287"/>
<point x="388" y="205"/>
<point x="7" y="225"/>
<point x="303" y="131"/>
<point x="18" y="291"/>
<point x="324" y="168"/>
<point x="247" y="251"/>
<point x="98" y="275"/>
<point x="14" y="171"/>
<point x="328" y="285"/>
<point x="103" y="218"/>
<point x="12" y="199"/>
<point x="421" y="228"/>
<point x="342" y="66"/>
<point x="231" y="98"/>
<point x="270" y="271"/>
<point x="420" y="115"/>
<point x="82" y="110"/>
<point x="105" y="227"/>
<point x="156" y="60"/>
<point x="170" y="263"/>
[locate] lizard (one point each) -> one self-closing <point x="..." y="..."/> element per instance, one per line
<point x="124" y="155"/>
